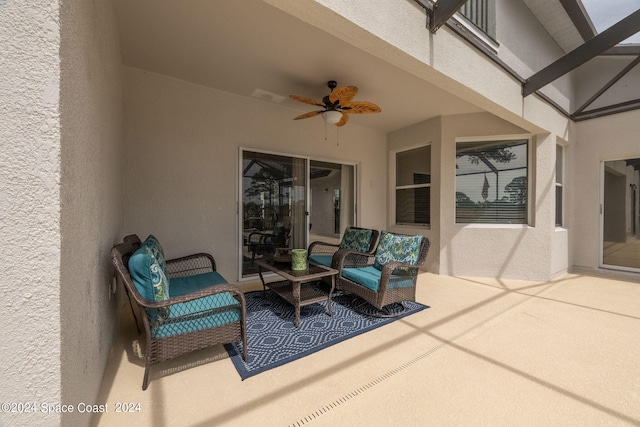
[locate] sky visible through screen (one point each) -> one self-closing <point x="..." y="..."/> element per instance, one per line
<point x="605" y="13"/>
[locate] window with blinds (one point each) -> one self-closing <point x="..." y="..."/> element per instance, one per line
<point x="413" y="186"/>
<point x="492" y="182"/>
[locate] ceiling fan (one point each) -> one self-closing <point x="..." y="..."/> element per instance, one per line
<point x="338" y="105"/>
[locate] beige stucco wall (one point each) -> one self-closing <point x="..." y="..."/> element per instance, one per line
<point x="92" y="159"/>
<point x="426" y="132"/>
<point x="183" y="145"/>
<point x="536" y="251"/>
<point x="30" y="347"/>
<point x="507" y="251"/>
<point x="60" y="213"/>
<point x="607" y="138"/>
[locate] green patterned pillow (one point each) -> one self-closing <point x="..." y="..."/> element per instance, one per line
<point x="156" y="249"/>
<point x="150" y="279"/>
<point x="394" y="247"/>
<point x="158" y="279"/>
<point x="356" y="239"/>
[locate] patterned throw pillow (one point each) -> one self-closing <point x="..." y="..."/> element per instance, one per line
<point x="158" y="278"/>
<point x="150" y="280"/>
<point x="394" y="247"/>
<point x="156" y="250"/>
<point x="355" y="239"/>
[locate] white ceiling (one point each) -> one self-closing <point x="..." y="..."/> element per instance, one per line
<point x="249" y="48"/>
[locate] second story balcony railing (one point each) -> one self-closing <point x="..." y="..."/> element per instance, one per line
<point x="482" y="14"/>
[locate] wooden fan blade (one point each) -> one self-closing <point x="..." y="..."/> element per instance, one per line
<point x="343" y="94"/>
<point x="343" y="121"/>
<point x="360" y="107"/>
<point x="307" y="100"/>
<point x="307" y="115"/>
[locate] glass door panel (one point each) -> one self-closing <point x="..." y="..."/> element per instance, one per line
<point x="274" y="206"/>
<point x="332" y="200"/>
<point x="621" y="215"/>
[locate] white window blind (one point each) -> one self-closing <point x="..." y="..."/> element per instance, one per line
<point x="491" y="182"/>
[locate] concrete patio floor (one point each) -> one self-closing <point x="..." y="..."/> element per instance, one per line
<point x="487" y="352"/>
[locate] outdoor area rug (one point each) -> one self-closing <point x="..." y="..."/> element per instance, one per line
<point x="273" y="340"/>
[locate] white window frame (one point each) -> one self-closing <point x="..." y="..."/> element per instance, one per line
<point x="395" y="187"/>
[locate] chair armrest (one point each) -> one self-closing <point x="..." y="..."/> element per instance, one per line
<point x="190" y="265"/>
<point x="396" y="268"/>
<point x="348" y="258"/>
<point x="323" y="248"/>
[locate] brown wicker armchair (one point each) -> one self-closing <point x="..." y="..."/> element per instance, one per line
<point x="384" y="278"/>
<point x="200" y="311"/>
<point x="353" y="238"/>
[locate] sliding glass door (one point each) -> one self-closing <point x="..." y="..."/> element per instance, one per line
<point x="621" y="214"/>
<point x="274" y="205"/>
<point x="283" y="198"/>
<point x="332" y="200"/>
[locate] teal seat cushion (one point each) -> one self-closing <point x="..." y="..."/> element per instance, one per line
<point x="203" y="313"/>
<point x="395" y="247"/>
<point x="184" y="285"/>
<point x="369" y="277"/>
<point x="322" y="259"/>
<point x="356" y="239"/>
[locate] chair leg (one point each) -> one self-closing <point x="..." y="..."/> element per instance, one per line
<point x="145" y="379"/>
<point x="245" y="350"/>
<point x="147" y="368"/>
<point x="361" y="306"/>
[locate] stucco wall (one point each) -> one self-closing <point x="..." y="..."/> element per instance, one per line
<point x="606" y="138"/>
<point x="521" y="251"/>
<point x="30" y="208"/>
<point x="91" y="197"/>
<point x="506" y="251"/>
<point x="182" y="161"/>
<point x="427" y="132"/>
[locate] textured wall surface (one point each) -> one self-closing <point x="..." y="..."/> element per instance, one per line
<point x="29" y="208"/>
<point x="60" y="209"/>
<point x="91" y="195"/>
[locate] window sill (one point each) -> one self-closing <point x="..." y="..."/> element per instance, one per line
<point x="471" y="31"/>
<point x="415" y="226"/>
<point x="493" y="226"/>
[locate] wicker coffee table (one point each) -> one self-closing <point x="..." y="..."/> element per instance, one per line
<point x="292" y="289"/>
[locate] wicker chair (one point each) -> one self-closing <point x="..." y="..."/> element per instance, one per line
<point x="328" y="254"/>
<point x="381" y="285"/>
<point x="196" y="315"/>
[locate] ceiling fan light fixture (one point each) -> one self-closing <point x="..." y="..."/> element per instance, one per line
<point x="332" y="116"/>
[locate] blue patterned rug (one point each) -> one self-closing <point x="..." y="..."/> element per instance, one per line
<point x="274" y="341"/>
